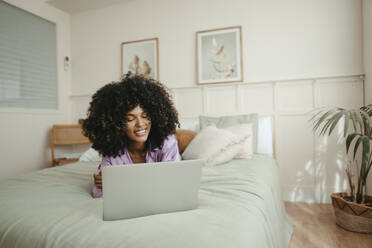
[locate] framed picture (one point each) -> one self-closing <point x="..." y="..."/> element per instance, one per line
<point x="141" y="57"/>
<point x="219" y="55"/>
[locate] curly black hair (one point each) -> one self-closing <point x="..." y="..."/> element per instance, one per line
<point x="107" y="114"/>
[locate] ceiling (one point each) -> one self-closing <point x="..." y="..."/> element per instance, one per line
<point x="75" y="6"/>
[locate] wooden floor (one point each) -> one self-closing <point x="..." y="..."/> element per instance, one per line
<point x="316" y="227"/>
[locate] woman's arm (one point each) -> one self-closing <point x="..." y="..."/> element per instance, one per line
<point x="97" y="187"/>
<point x="98" y="179"/>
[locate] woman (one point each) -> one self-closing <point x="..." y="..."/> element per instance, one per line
<point x="132" y="121"/>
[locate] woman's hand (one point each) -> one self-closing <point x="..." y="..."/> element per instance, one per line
<point x="98" y="180"/>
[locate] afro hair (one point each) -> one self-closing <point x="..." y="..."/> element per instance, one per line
<point x="107" y="114"/>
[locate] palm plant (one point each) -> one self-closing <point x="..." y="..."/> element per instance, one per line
<point x="361" y="136"/>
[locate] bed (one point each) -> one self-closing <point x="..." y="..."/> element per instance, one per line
<point x="240" y="205"/>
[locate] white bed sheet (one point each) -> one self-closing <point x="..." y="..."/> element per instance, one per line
<point x="240" y="206"/>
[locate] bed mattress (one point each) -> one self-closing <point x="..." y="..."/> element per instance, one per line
<point x="240" y="205"/>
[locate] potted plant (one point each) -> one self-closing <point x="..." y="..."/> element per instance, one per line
<point x="353" y="210"/>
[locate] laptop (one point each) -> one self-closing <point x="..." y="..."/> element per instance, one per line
<point x="137" y="190"/>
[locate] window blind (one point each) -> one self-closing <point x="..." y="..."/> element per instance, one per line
<point x="28" y="71"/>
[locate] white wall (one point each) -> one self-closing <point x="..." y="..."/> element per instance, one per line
<point x="287" y="39"/>
<point x="367" y="54"/>
<point x="24" y="134"/>
<point x="281" y="39"/>
<point x="367" y="47"/>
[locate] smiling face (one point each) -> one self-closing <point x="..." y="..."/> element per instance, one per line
<point x="138" y="125"/>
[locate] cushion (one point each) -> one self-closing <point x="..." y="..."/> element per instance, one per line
<point x="246" y="151"/>
<point x="191" y="125"/>
<point x="184" y="137"/>
<point x="214" y="146"/>
<point x="232" y="120"/>
<point x="90" y="155"/>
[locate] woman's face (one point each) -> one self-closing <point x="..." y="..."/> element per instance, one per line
<point x="138" y="125"/>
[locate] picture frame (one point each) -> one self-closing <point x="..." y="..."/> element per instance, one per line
<point x="141" y="57"/>
<point x="219" y="55"/>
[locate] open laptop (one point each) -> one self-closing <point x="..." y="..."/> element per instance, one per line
<point x="131" y="191"/>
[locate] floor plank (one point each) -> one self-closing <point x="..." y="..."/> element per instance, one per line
<point x="316" y="227"/>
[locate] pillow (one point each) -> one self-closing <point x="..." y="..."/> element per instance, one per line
<point x="232" y="120"/>
<point x="265" y="136"/>
<point x="214" y="146"/>
<point x="191" y="125"/>
<point x="90" y="155"/>
<point x="184" y="137"/>
<point x="246" y="151"/>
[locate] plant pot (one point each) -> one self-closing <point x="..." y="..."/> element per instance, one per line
<point x="350" y="215"/>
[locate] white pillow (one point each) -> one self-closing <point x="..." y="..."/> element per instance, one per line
<point x="90" y="155"/>
<point x="246" y="151"/>
<point x="214" y="146"/>
<point x="193" y="126"/>
<point x="265" y="136"/>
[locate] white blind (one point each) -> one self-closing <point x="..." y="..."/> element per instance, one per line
<point x="28" y="72"/>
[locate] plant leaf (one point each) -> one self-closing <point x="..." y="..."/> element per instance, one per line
<point x="335" y="120"/>
<point x="321" y="119"/>
<point x="316" y="114"/>
<point x="349" y="139"/>
<point x="369" y="163"/>
<point x="353" y="119"/>
<point x="366" y="151"/>
<point x="367" y="109"/>
<point x="367" y="121"/>
<point x="360" y="120"/>
<point x="346" y="122"/>
<point x="328" y="123"/>
<point x="357" y="143"/>
<point x="325" y="126"/>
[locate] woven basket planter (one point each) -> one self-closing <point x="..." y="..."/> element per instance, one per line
<point x="350" y="215"/>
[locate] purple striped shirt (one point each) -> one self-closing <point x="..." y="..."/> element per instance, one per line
<point x="168" y="152"/>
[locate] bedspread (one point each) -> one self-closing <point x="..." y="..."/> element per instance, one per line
<point x="240" y="205"/>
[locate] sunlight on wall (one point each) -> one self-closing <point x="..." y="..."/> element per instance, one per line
<point x="327" y="170"/>
<point x="331" y="161"/>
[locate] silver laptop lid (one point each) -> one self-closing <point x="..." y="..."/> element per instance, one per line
<point x="152" y="188"/>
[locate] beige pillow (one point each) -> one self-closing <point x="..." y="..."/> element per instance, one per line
<point x="214" y="146"/>
<point x="243" y="130"/>
<point x="232" y="120"/>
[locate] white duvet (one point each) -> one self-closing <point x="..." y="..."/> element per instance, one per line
<point x="240" y="205"/>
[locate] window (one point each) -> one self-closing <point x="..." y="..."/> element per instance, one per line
<point x="28" y="71"/>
